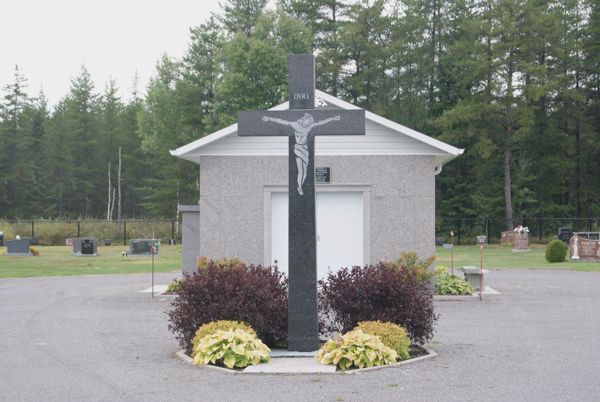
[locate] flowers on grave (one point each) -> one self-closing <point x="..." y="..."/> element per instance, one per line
<point x="522" y="230"/>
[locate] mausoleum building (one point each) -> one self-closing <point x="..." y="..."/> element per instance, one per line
<point x="375" y="194"/>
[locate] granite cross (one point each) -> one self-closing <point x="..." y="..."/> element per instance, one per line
<point x="301" y="123"/>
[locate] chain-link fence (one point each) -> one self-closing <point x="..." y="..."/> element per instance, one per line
<point x="466" y="230"/>
<point x="55" y="232"/>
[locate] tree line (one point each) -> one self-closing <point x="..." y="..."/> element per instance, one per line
<point x="514" y="82"/>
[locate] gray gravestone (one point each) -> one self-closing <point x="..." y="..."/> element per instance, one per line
<point x="18" y="247"/>
<point x="143" y="246"/>
<point x="85" y="246"/>
<point x="301" y="123"/>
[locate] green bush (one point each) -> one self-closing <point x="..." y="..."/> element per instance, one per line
<point x="356" y="349"/>
<point x="232" y="348"/>
<point x="221" y="325"/>
<point x="448" y="284"/>
<point x="392" y="335"/>
<point x="556" y="251"/>
<point x="173" y="287"/>
<point x="203" y="262"/>
<point x="411" y="261"/>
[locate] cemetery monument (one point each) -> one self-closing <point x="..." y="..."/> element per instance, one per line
<point x="85" y="246"/>
<point x="301" y="123"/>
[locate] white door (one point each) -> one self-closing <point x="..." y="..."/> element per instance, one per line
<point x="339" y="230"/>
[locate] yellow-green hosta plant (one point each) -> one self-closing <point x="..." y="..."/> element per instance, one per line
<point x="231" y="348"/>
<point x="392" y="335"/>
<point x="355" y="349"/>
<point x="223" y="325"/>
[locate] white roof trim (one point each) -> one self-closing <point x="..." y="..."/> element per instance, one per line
<point x="217" y="135"/>
<point x="229" y="130"/>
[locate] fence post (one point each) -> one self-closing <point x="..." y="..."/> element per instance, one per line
<point x="33" y="231"/>
<point x="78" y="228"/>
<point x="487" y="229"/>
<point x="539" y="229"/>
<point x="124" y="232"/>
<point x="589" y="225"/>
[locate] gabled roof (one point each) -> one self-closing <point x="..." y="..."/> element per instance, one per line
<point x="206" y="146"/>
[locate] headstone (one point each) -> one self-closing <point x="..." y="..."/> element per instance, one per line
<point x="588" y="235"/>
<point x="18" y="247"/>
<point x="68" y="242"/>
<point x="85" y="246"/>
<point x="301" y="123"/>
<point x="581" y="249"/>
<point x="521" y="242"/>
<point x="143" y="247"/>
<point x="32" y="240"/>
<point x="507" y="237"/>
<point x="565" y="234"/>
<point x="1" y="239"/>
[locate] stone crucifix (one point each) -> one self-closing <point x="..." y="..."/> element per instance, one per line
<point x="301" y="123"/>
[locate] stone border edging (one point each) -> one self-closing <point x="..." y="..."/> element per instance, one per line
<point x="430" y="354"/>
<point x="455" y="298"/>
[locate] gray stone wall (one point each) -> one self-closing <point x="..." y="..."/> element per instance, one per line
<point x="402" y="215"/>
<point x="190" y="221"/>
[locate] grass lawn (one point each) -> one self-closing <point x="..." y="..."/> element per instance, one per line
<point x="58" y="261"/>
<point x="502" y="256"/>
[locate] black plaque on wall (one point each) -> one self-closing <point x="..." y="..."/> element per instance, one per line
<point x="323" y="175"/>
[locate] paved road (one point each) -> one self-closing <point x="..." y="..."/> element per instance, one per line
<point x="99" y="338"/>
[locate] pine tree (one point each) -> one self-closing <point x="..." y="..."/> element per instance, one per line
<point x="241" y="16"/>
<point x="81" y="113"/>
<point x="13" y="165"/>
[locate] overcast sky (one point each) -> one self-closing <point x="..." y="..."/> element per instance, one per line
<point x="50" y="39"/>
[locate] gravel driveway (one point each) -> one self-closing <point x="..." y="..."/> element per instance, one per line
<point x="99" y="338"/>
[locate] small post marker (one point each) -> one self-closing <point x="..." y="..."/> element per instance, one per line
<point x="452" y="251"/>
<point x="153" y="251"/>
<point x="481" y="240"/>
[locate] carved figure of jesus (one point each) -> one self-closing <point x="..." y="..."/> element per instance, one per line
<point x="575" y="249"/>
<point x="301" y="128"/>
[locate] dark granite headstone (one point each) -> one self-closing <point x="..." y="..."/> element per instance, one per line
<point x="32" y="240"/>
<point x="85" y="246"/>
<point x="565" y="234"/>
<point x="143" y="246"/>
<point x="18" y="247"/>
<point x="301" y="123"/>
